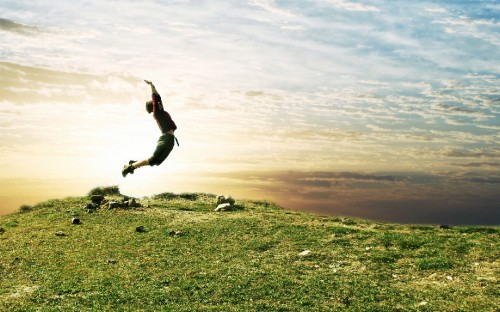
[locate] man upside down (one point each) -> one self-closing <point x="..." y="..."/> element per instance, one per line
<point x="165" y="142"/>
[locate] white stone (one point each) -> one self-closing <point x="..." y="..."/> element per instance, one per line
<point x="305" y="253"/>
<point x="223" y="207"/>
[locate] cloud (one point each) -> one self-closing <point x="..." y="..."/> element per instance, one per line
<point x="469" y="27"/>
<point x="493" y="165"/>
<point x="493" y="152"/>
<point x="272" y="7"/>
<point x="402" y="197"/>
<point x="353" y="6"/>
<point x="29" y="85"/>
<point x="11" y="26"/>
<point x="485" y="180"/>
<point x="302" y="180"/>
<point x="457" y="110"/>
<point x="244" y="43"/>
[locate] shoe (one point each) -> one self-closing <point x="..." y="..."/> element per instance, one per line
<point x="127" y="169"/>
<point x="132" y="161"/>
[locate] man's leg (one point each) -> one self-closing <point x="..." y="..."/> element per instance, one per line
<point x="161" y="152"/>
<point x="140" y="163"/>
<point x="134" y="165"/>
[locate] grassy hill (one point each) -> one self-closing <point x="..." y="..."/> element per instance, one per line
<point x="176" y="254"/>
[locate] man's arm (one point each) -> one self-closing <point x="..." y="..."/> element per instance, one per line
<point x="153" y="89"/>
<point x="155" y="96"/>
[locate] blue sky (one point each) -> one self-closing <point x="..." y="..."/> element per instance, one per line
<point x="332" y="92"/>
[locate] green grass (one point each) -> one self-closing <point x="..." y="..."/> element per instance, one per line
<point x="245" y="260"/>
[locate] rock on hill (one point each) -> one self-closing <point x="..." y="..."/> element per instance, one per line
<point x="173" y="252"/>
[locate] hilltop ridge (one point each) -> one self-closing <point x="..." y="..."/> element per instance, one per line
<point x="173" y="252"/>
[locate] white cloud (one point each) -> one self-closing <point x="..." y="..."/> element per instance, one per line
<point x="272" y="7"/>
<point x="353" y="6"/>
<point x="478" y="28"/>
<point x="437" y="10"/>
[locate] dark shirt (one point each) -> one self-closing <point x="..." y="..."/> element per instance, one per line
<point x="161" y="116"/>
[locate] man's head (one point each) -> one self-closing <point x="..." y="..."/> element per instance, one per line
<point x="149" y="106"/>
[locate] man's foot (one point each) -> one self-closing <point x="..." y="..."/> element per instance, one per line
<point x="127" y="169"/>
<point x="132" y="161"/>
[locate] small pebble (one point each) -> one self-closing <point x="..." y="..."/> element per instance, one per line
<point x="305" y="253"/>
<point x="175" y="233"/>
<point x="140" y="229"/>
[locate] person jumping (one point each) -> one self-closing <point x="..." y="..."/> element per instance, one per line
<point x="165" y="142"/>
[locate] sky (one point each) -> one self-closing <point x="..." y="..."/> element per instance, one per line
<point x="387" y="110"/>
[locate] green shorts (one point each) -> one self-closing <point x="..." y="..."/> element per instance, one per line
<point x="163" y="148"/>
